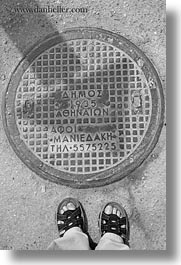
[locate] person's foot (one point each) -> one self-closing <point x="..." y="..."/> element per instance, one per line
<point x="62" y="210"/>
<point x="113" y="210"/>
<point x="113" y="219"/>
<point x="70" y="213"/>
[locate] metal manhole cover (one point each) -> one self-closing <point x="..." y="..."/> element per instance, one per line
<point x="84" y="108"/>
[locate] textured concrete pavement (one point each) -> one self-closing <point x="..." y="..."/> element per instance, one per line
<point x="27" y="202"/>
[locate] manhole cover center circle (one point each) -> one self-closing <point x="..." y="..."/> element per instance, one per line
<point x="83" y="105"/>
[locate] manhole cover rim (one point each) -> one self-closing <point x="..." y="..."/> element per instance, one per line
<point x="84" y="180"/>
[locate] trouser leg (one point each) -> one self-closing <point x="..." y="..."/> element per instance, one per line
<point x="73" y="239"/>
<point x="110" y="241"/>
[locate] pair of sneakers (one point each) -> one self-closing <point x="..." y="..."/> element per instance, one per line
<point x="112" y="219"/>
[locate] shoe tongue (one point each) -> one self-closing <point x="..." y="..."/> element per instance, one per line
<point x="68" y="212"/>
<point x="114" y="215"/>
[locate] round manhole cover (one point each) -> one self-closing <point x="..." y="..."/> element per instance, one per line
<point x="84" y="108"/>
